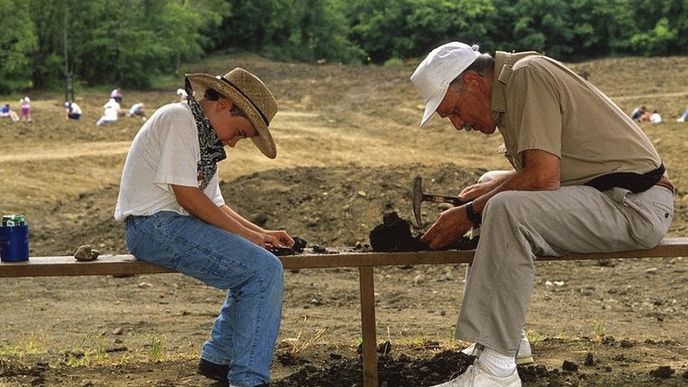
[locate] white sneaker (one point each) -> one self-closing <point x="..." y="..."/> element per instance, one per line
<point x="476" y="376"/>
<point x="523" y="357"/>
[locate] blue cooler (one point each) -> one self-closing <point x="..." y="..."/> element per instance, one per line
<point x="14" y="243"/>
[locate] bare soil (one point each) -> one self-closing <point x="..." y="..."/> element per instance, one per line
<point x="349" y="146"/>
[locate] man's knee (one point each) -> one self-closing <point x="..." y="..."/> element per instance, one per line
<point x="504" y="205"/>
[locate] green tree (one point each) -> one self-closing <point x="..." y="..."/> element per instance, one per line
<point x="17" y="42"/>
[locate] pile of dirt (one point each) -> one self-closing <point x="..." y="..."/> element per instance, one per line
<point x="336" y="206"/>
<point x="403" y="370"/>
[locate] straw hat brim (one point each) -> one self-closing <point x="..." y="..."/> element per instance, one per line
<point x="264" y="141"/>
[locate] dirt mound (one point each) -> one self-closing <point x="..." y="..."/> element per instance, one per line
<point x="327" y="206"/>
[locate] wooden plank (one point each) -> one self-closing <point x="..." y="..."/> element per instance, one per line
<point x="126" y="264"/>
<point x="367" y="284"/>
<point x="68" y="266"/>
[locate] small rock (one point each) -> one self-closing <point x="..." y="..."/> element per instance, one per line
<point x="652" y="270"/>
<point x="260" y="219"/>
<point x="362" y="194"/>
<point x="626" y="343"/>
<point x="589" y="360"/>
<point x="118" y="331"/>
<point x="663" y="372"/>
<point x="85" y="253"/>
<point x="569" y="366"/>
<point x="144" y="285"/>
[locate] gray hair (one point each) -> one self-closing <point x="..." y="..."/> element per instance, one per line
<point x="483" y="65"/>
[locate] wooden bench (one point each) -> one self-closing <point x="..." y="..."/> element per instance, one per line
<point x="365" y="262"/>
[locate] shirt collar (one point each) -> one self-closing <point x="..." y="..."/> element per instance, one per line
<point x="504" y="62"/>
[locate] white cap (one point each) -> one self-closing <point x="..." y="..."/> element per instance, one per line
<point x="434" y="74"/>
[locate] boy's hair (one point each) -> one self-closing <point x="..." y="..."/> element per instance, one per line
<point x="214" y="95"/>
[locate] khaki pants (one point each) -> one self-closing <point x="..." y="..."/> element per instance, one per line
<point x="520" y="225"/>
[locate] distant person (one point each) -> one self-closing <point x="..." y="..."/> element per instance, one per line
<point x="584" y="179"/>
<point x="638" y="113"/>
<point x="138" y="110"/>
<point x="683" y="117"/>
<point x="655" y="118"/>
<point x="7" y="112"/>
<point x="110" y="112"/>
<point x="72" y="110"/>
<point x="175" y="216"/>
<point x="25" y="108"/>
<point x="116" y="94"/>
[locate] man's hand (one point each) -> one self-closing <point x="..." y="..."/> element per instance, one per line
<point x="476" y="190"/>
<point x="450" y="225"/>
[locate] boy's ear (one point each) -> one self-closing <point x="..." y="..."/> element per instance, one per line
<point x="225" y="103"/>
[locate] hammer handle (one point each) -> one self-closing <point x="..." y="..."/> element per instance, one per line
<point x="443" y="199"/>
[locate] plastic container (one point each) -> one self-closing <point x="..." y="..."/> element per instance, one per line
<point x="14" y="243"/>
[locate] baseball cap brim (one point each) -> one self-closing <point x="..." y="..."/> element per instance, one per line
<point x="431" y="107"/>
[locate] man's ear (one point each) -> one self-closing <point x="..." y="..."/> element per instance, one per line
<point x="471" y="78"/>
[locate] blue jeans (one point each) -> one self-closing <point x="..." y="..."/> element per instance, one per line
<point x="244" y="334"/>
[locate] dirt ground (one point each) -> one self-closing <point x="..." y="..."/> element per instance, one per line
<point x="349" y="146"/>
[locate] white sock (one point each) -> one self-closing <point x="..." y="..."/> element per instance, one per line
<point x="497" y="363"/>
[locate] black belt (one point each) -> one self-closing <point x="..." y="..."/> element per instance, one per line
<point x="634" y="182"/>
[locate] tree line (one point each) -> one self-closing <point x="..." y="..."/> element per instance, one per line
<point x="127" y="42"/>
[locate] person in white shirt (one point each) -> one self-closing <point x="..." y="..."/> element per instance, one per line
<point x="72" y="110"/>
<point x="111" y="112"/>
<point x="175" y="216"/>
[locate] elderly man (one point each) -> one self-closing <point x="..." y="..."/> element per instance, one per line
<point x="175" y="216"/>
<point x="586" y="179"/>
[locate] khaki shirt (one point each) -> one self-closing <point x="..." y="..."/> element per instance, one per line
<point x="538" y="103"/>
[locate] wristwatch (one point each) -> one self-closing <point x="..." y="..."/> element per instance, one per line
<point x="472" y="214"/>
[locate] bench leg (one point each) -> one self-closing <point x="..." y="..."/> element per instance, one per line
<point x="367" y="284"/>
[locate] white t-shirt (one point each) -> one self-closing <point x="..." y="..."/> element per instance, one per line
<point x="655" y="118"/>
<point x="111" y="110"/>
<point x="75" y="108"/>
<point x="165" y="151"/>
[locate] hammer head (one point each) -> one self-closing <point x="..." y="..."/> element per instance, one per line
<point x="417" y="198"/>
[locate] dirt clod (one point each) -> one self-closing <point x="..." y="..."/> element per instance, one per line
<point x="662" y="372"/>
<point x="569" y="366"/>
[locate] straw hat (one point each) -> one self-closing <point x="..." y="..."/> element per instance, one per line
<point x="252" y="97"/>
